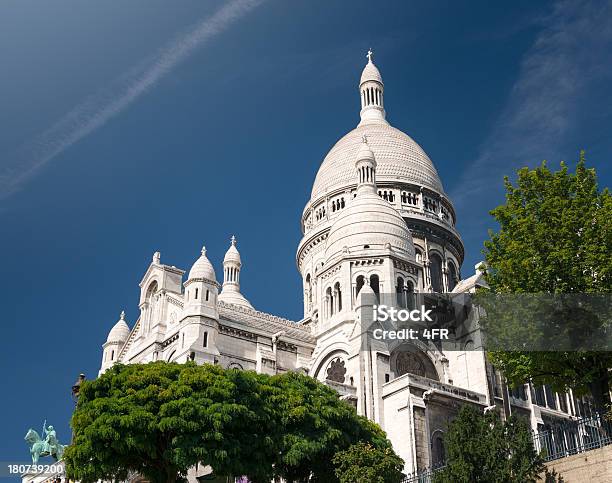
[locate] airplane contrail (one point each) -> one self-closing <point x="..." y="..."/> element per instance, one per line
<point x="99" y="108"/>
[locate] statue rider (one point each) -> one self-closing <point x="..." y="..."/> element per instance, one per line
<point x="51" y="440"/>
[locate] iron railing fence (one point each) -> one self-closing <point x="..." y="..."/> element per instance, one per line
<point x="422" y="476"/>
<point x="573" y="437"/>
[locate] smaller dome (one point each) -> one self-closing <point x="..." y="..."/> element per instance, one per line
<point x="202" y="268"/>
<point x="232" y="254"/>
<point x="120" y="331"/>
<point x="234" y="297"/>
<point x="369" y="223"/>
<point x="370" y="72"/>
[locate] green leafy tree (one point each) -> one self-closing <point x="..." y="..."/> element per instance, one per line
<point x="160" y="419"/>
<point x="316" y="425"/>
<point x="364" y="463"/>
<point x="555" y="236"/>
<point x="481" y="448"/>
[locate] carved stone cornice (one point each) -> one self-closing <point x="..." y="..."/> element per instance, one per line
<point x="170" y="340"/>
<point x="237" y="333"/>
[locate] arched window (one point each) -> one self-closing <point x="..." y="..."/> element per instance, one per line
<point x="401" y="293"/>
<point x="151" y="307"/>
<point x="329" y="302"/>
<point x="112" y="355"/>
<point x="438" y="455"/>
<point x="207" y="295"/>
<point x="435" y="272"/>
<point x="452" y="276"/>
<point x="308" y="292"/>
<point x="375" y="284"/>
<point x="359" y="286"/>
<point x="205" y="339"/>
<point x="410" y="302"/>
<point x="196" y="295"/>
<point x="409" y="363"/>
<point x="338" y="297"/>
<point x="418" y="255"/>
<point x="336" y="371"/>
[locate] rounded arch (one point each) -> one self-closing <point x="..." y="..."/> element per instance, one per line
<point x="408" y="359"/>
<point x="375" y="284"/>
<point x="435" y="272"/>
<point x="308" y="291"/>
<point x="171" y="355"/>
<point x="323" y="363"/>
<point x="452" y="274"/>
<point x="359" y="283"/>
<point x="235" y="365"/>
<point x="438" y="450"/>
<point x="337" y="297"/>
<point x="151" y="289"/>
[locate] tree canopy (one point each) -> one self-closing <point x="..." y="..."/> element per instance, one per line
<point x="364" y="463"/>
<point x="160" y="419"/>
<point x="555" y="236"/>
<point x="316" y="424"/>
<point x="481" y="448"/>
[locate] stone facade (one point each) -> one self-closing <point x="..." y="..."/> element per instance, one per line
<point x="378" y="222"/>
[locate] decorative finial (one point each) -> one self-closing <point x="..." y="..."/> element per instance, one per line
<point x="233" y="240"/>
<point x="203" y="251"/>
<point x="369" y="55"/>
<point x="122" y="316"/>
<point x="364" y="138"/>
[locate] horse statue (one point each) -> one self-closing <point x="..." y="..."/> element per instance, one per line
<point x="49" y="446"/>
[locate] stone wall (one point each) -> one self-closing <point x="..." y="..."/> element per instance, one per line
<point x="593" y="466"/>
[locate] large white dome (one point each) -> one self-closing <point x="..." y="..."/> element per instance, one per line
<point x="398" y="156"/>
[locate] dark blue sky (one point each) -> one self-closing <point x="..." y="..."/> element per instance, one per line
<point x="172" y="144"/>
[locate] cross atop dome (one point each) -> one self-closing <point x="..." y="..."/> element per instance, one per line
<point x="369" y="55"/>
<point x="203" y="251"/>
<point x="233" y="240"/>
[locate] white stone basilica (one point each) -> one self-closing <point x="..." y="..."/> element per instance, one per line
<point x="378" y="221"/>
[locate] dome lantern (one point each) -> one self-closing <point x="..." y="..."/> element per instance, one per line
<point x="366" y="167"/>
<point x="371" y="89"/>
<point x="232" y="264"/>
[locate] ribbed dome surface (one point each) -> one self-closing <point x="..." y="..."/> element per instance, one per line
<point x="398" y="157"/>
<point x="369" y="220"/>
<point x="232" y="255"/>
<point x="202" y="268"/>
<point x="120" y="331"/>
<point x="234" y="297"/>
<point x="370" y="73"/>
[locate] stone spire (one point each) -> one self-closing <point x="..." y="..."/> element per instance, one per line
<point x="371" y="88"/>
<point x="232" y="265"/>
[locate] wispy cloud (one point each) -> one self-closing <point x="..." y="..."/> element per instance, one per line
<point x="98" y="109"/>
<point x="566" y="59"/>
